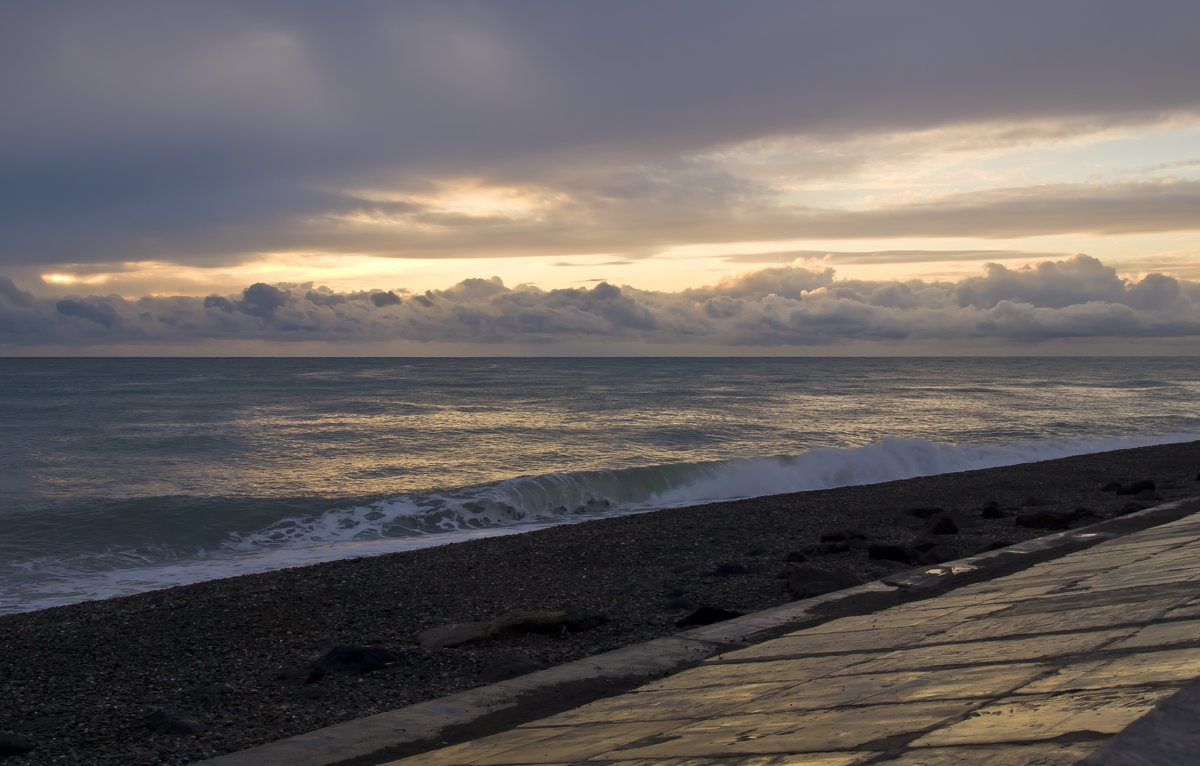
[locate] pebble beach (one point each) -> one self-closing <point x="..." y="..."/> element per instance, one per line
<point x="175" y="676"/>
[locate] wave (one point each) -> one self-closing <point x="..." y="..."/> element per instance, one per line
<point x="571" y="497"/>
<point x="409" y="522"/>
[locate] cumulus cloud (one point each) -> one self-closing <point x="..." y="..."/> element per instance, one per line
<point x="784" y="307"/>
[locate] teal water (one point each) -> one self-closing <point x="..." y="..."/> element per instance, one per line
<point x="126" y="474"/>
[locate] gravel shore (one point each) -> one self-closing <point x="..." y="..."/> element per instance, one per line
<point x="179" y="675"/>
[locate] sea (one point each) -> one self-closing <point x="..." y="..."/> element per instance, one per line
<point x="126" y="475"/>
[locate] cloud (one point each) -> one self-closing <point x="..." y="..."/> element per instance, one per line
<point x="389" y="298"/>
<point x="881" y="257"/>
<point x="13" y="294"/>
<point x="209" y="132"/>
<point x="782" y="307"/>
<point x="1120" y="208"/>
<point x="261" y="300"/>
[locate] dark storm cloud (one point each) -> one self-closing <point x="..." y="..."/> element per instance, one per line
<point x="202" y="131"/>
<point x="1075" y="298"/>
<point x="379" y="300"/>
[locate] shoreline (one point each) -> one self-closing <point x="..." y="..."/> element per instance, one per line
<point x="236" y="656"/>
<point x="819" y="468"/>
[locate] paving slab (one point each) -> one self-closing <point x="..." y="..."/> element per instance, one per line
<point x="1045" y="665"/>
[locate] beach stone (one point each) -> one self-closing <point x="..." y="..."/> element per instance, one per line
<point x="924" y="513"/>
<point x="298" y="676"/>
<point x="578" y="622"/>
<point x="925" y="542"/>
<point x="707" y="615"/>
<point x="212" y="695"/>
<point x="937" y="554"/>
<point x="1141" y="485"/>
<point x="165" y="722"/>
<point x="891" y="552"/>
<point x="355" y="660"/>
<point x="808" y="581"/>
<point x="539" y="621"/>
<point x="506" y="667"/>
<point x="883" y="568"/>
<point x="906" y="521"/>
<point x="1048" y="519"/>
<point x="536" y="621"/>
<point x="841" y="535"/>
<point x="942" y="524"/>
<point x="1112" y="486"/>
<point x="454" y="634"/>
<point x="828" y="549"/>
<point x="313" y="692"/>
<point x="728" y="570"/>
<point x="991" y="510"/>
<point x="15" y="744"/>
<point x="1131" y="508"/>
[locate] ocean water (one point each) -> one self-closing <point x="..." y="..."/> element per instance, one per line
<point x="123" y="475"/>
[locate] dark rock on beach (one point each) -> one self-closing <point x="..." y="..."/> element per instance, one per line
<point x="830" y="548"/>
<point x="506" y="667"/>
<point x="924" y="512"/>
<point x="809" y="581"/>
<point x="942" y="524"/>
<point x="707" y="615"/>
<point x="455" y="634"/>
<point x="210" y="695"/>
<point x="530" y="621"/>
<point x="729" y="570"/>
<point x="1133" y="488"/>
<point x="841" y="535"/>
<point x="14" y="744"/>
<point x="991" y="510"/>
<point x="251" y="641"/>
<point x="166" y="722"/>
<point x="936" y="554"/>
<point x="578" y="622"/>
<point x="355" y="660"/>
<point x="681" y="603"/>
<point x="891" y="552"/>
<point x="1052" y="519"/>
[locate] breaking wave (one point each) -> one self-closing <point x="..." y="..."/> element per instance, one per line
<point x="413" y="521"/>
<point x="538" y="501"/>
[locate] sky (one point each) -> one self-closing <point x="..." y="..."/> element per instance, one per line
<point x="599" y="177"/>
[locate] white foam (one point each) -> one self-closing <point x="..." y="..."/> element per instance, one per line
<point x="410" y="522"/>
<point x="566" y="498"/>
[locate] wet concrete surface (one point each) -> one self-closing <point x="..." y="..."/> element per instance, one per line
<point x="1043" y="666"/>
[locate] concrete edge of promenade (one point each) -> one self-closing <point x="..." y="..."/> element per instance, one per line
<point x="501" y="706"/>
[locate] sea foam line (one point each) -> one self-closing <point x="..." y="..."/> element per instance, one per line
<point x="411" y="522"/>
<point x="567" y="498"/>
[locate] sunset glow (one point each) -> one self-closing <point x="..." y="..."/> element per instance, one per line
<point x="480" y="141"/>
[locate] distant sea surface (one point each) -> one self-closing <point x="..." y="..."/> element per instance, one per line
<point x="123" y="475"/>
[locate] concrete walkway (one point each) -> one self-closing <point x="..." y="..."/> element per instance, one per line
<point x="1039" y="667"/>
